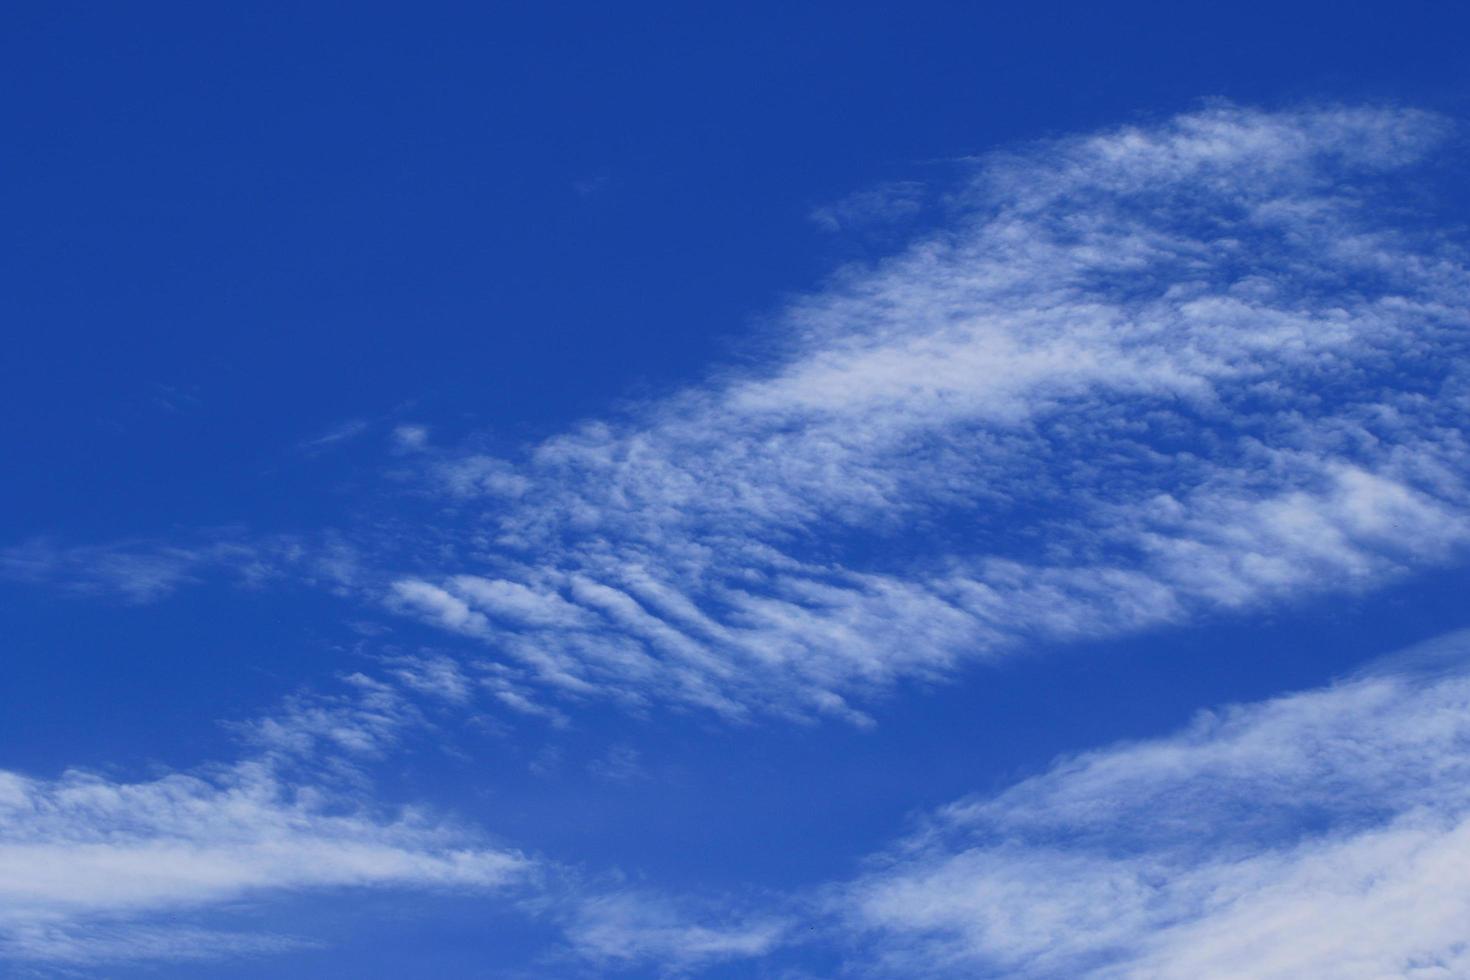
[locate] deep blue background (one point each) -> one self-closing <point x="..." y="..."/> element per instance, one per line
<point x="230" y="228"/>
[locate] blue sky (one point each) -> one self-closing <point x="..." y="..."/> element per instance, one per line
<point x="781" y="491"/>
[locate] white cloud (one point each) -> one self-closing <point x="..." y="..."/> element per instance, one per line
<point x="84" y="857"/>
<point x="440" y="607"/>
<point x="365" y="720"/>
<point x="95" y="868"/>
<point x="884" y="204"/>
<point x="145" y="570"/>
<point x="1137" y="376"/>
<point x="409" y="438"/>
<point x="100" y="941"/>
<point x="135" y="571"/>
<point x="340" y="433"/>
<point x="1319" y="834"/>
<point x="624" y="929"/>
<point x="437" y="676"/>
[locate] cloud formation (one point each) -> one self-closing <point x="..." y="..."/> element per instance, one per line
<point x="1318" y="834"/>
<point x="625" y="930"/>
<point x="1137" y="377"/>
<point x="888" y="203"/>
<point x="144" y="570"/>
<point x="88" y="864"/>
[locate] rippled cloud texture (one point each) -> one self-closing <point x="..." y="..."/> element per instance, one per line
<point x="1136" y="377"/>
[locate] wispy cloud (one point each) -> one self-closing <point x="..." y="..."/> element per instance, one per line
<point x="1139" y="376"/>
<point x="884" y="204"/>
<point x="630" y="929"/>
<point x="96" y="868"/>
<point x="409" y="438"/>
<point x="84" y="853"/>
<point x="1319" y="834"/>
<point x="340" y="433"/>
<point x="101" y="942"/>
<point x="145" y="570"/>
<point x="135" y="571"/>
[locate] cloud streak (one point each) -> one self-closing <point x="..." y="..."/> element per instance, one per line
<point x="630" y="930"/>
<point x="145" y="570"/>
<point x="94" y="868"/>
<point x="1317" y="834"/>
<point x="82" y="852"/>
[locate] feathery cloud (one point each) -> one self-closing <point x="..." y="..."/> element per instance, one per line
<point x="84" y="856"/>
<point x="1137" y="377"/>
